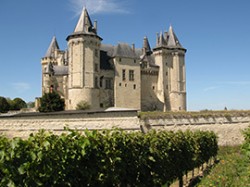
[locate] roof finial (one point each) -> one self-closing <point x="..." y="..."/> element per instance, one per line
<point x="84" y="4"/>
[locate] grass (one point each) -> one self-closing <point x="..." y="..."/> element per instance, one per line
<point x="233" y="169"/>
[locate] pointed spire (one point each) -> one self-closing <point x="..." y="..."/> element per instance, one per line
<point x="172" y="40"/>
<point x="84" y="24"/>
<point x="52" y="48"/>
<point x="146" y="46"/>
<point x="161" y="40"/>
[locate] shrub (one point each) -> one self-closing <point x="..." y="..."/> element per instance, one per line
<point x="51" y="102"/>
<point x="83" y="105"/>
<point x="4" y="105"/>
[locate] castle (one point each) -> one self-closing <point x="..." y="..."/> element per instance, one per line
<point x="119" y="76"/>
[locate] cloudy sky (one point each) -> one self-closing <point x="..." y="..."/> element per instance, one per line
<point x="215" y="34"/>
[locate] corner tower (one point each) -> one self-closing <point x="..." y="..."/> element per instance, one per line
<point x="84" y="63"/>
<point x="47" y="62"/>
<point x="170" y="57"/>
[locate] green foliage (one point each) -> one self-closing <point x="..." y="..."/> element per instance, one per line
<point x="107" y="158"/>
<point x="246" y="144"/>
<point x="4" y="105"/>
<point x="82" y="105"/>
<point x="18" y="104"/>
<point x="51" y="102"/>
<point x="233" y="169"/>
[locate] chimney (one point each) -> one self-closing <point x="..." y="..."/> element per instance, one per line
<point x="157" y="39"/>
<point x="133" y="47"/>
<point x="95" y="25"/>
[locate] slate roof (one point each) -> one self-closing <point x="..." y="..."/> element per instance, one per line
<point x="108" y="48"/>
<point x="124" y="50"/>
<point x="84" y="24"/>
<point x="146" y="46"/>
<point x="60" y="70"/>
<point x="52" y="47"/>
<point x="149" y="59"/>
<point x="56" y="70"/>
<point x="121" y="50"/>
<point x="169" y="39"/>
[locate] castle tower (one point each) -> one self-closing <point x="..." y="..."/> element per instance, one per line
<point x="47" y="65"/>
<point x="170" y="57"/>
<point x="84" y="63"/>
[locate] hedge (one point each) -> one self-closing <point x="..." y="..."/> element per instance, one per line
<point x="103" y="158"/>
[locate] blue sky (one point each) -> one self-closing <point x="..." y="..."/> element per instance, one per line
<point x="216" y="34"/>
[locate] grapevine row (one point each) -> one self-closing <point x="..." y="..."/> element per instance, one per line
<point x="103" y="158"/>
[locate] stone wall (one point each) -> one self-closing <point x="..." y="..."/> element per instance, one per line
<point x="228" y="130"/>
<point x="21" y="125"/>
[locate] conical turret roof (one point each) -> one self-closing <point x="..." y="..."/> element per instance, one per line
<point x="52" y="47"/>
<point x="84" y="24"/>
<point x="146" y="46"/>
<point x="172" y="40"/>
<point x="168" y="40"/>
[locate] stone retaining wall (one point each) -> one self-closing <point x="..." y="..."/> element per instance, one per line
<point x="228" y="130"/>
<point x="21" y="125"/>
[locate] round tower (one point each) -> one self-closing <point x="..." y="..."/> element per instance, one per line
<point x="84" y="63"/>
<point x="170" y="57"/>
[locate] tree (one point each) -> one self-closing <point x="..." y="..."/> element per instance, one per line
<point x="18" y="104"/>
<point x="11" y="104"/>
<point x="4" y="105"/>
<point x="51" y="102"/>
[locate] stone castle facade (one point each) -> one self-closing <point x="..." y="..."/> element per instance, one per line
<point x="119" y="76"/>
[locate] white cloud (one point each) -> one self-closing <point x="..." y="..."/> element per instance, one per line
<point x="21" y="87"/>
<point x="98" y="6"/>
<point x="210" y="88"/>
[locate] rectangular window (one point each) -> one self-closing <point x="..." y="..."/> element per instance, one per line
<point x="131" y="75"/>
<point x="108" y="84"/>
<point x="101" y="80"/>
<point x="123" y="74"/>
<point x="134" y="86"/>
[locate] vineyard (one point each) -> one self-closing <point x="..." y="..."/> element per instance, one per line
<point x="103" y="158"/>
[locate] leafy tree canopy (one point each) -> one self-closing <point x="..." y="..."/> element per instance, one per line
<point x="18" y="104"/>
<point x="51" y="102"/>
<point x="4" y="105"/>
